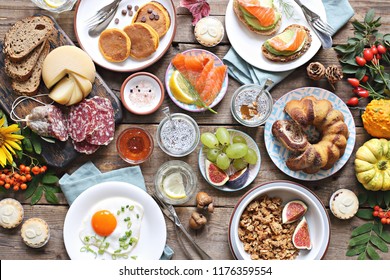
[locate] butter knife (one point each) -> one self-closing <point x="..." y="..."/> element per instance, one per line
<point x="324" y="37"/>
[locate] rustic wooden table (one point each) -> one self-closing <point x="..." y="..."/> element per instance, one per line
<point x="213" y="238"/>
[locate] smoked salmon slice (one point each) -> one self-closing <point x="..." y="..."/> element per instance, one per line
<point x="213" y="84"/>
<point x="265" y="15"/>
<point x="203" y="75"/>
<point x="294" y="44"/>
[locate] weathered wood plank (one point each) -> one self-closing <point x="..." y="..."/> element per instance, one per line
<point x="215" y="233"/>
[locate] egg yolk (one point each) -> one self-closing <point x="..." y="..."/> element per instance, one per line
<point x="103" y="222"/>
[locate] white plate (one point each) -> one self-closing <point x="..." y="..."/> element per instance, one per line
<point x="253" y="168"/>
<point x="86" y="9"/>
<point x="279" y="153"/>
<point x="153" y="229"/>
<point x="192" y="107"/>
<point x="316" y="216"/>
<point x="248" y="44"/>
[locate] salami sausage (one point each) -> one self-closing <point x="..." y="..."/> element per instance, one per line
<point x="48" y="121"/>
<point x="104" y="130"/>
<point x="85" y="147"/>
<point x="81" y="120"/>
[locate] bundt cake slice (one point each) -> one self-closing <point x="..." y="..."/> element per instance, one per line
<point x="290" y="134"/>
<point x="327" y="121"/>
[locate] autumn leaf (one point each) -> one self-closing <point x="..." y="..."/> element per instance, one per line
<point x="198" y="9"/>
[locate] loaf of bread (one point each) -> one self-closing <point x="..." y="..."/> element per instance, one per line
<point x="25" y="35"/>
<point x="30" y="86"/>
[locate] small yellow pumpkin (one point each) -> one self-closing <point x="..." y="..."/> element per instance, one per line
<point x="372" y="165"/>
<point x="376" y="118"/>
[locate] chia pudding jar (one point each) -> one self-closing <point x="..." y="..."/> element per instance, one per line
<point x="179" y="136"/>
<point x="247" y="109"/>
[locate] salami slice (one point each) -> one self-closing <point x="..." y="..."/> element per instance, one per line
<point x="105" y="125"/>
<point x="48" y="121"/>
<point x="85" y="147"/>
<point x="59" y="126"/>
<point x="81" y="120"/>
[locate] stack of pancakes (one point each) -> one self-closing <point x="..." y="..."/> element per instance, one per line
<point x="138" y="40"/>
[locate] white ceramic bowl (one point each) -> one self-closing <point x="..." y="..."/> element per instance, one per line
<point x="316" y="216"/>
<point x="154" y="89"/>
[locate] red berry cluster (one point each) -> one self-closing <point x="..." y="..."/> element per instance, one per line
<point x="383" y="215"/>
<point x="371" y="57"/>
<point x="18" y="179"/>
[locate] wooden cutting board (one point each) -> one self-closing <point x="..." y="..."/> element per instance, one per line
<point x="57" y="154"/>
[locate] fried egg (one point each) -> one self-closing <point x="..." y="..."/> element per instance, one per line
<point x="111" y="229"/>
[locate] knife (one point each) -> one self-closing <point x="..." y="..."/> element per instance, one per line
<point x="324" y="37"/>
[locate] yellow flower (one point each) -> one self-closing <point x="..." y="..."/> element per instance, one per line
<point x="9" y="142"/>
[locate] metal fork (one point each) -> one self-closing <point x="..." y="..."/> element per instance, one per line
<point x="102" y="13"/>
<point x="316" y="20"/>
<point x="170" y="212"/>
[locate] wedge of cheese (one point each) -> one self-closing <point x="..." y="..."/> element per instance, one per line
<point x="77" y="96"/>
<point x="84" y="84"/>
<point x="63" y="91"/>
<point x="64" y="60"/>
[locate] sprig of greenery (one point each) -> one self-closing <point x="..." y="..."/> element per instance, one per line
<point x="371" y="236"/>
<point x="43" y="184"/>
<point x="366" y="34"/>
<point x="286" y="8"/>
<point x="192" y="91"/>
<point x="367" y="239"/>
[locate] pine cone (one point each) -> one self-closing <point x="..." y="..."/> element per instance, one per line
<point x="315" y="71"/>
<point x="334" y="74"/>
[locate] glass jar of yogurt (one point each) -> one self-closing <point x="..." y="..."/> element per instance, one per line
<point x="179" y="135"/>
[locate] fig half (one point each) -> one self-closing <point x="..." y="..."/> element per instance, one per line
<point x="301" y="236"/>
<point x="215" y="175"/>
<point x="293" y="211"/>
<point x="238" y="179"/>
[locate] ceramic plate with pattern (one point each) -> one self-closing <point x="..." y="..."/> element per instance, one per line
<point x="253" y="168"/>
<point x="279" y="153"/>
<point x="86" y="9"/>
<point x="248" y="44"/>
<point x="192" y="107"/>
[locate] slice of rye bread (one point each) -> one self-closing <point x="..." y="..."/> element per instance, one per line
<point x="30" y="87"/>
<point x="25" y="35"/>
<point x="21" y="71"/>
<point x="281" y="58"/>
<point x="240" y="16"/>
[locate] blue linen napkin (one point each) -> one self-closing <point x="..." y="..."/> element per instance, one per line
<point x="89" y="175"/>
<point x="338" y="12"/>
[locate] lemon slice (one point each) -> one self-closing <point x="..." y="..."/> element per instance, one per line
<point x="55" y="3"/>
<point x="173" y="186"/>
<point x="179" y="88"/>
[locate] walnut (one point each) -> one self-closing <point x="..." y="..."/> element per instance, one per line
<point x="204" y="201"/>
<point x="197" y="220"/>
<point x="315" y="71"/>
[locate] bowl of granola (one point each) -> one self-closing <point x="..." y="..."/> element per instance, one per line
<point x="259" y="231"/>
